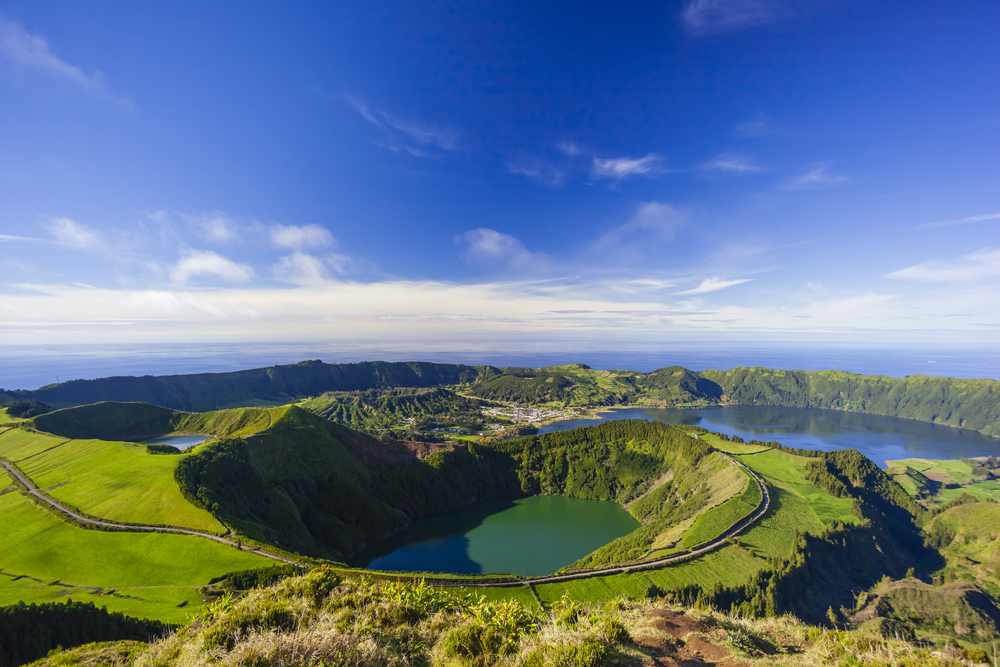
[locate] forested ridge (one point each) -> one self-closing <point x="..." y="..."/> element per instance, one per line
<point x="970" y="404"/>
<point x="304" y="490"/>
<point x="29" y="631"/>
<point x="373" y="409"/>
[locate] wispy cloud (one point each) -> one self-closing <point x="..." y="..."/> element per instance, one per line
<point x="984" y="263"/>
<point x="300" y="237"/>
<point x="8" y="237"/>
<point x="962" y="221"/>
<point x="624" y="167"/>
<point x="714" y="285"/>
<point x="538" y="171"/>
<point x="399" y="133"/>
<point x="710" y="17"/>
<point x="758" y="126"/>
<point x="198" y="263"/>
<point x="73" y="234"/>
<point x="818" y="175"/>
<point x="215" y="226"/>
<point x="301" y="269"/>
<point x="731" y="162"/>
<point x="652" y="221"/>
<point x="31" y="51"/>
<point x="488" y="246"/>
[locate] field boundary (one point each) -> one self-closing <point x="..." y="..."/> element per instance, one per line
<point x="25" y="483"/>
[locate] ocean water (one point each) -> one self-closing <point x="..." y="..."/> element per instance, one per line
<point x="30" y="367"/>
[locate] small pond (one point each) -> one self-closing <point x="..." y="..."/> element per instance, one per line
<point x="529" y="537"/>
<point x="877" y="437"/>
<point x="179" y="441"/>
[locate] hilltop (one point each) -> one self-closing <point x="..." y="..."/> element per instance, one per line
<point x="967" y="404"/>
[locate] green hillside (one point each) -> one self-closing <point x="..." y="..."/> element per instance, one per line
<point x="44" y="558"/>
<point x="208" y="391"/>
<point x="969" y="404"/>
<point x="375" y="410"/>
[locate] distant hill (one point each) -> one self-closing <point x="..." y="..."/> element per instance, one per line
<point x="969" y="404"/>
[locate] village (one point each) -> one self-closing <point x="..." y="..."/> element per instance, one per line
<point x="518" y="414"/>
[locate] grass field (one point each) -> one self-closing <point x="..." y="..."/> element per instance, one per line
<point x="941" y="473"/>
<point x="713" y="523"/>
<point x="6" y="418"/>
<point x="114" y="480"/>
<point x="728" y="565"/>
<point x="38" y="544"/>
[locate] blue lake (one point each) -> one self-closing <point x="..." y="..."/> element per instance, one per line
<point x="530" y="536"/>
<point x="179" y="441"/>
<point x="878" y="438"/>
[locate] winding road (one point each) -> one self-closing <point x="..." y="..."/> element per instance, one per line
<point x="133" y="527"/>
<point x="733" y="531"/>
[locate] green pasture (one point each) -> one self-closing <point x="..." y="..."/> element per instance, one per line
<point x="943" y="472"/>
<point x="712" y="523"/>
<point x="157" y="572"/>
<point x="728" y="446"/>
<point x="957" y="472"/>
<point x="6" y="418"/>
<point x="729" y="565"/>
<point x="114" y="480"/>
<point x="520" y="593"/>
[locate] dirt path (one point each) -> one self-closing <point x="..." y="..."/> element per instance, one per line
<point x="28" y="486"/>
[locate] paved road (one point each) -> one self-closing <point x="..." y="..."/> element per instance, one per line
<point x="29" y="486"/>
<point x="736" y="529"/>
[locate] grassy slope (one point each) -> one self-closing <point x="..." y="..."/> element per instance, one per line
<point x="909" y="471"/>
<point x="973" y="550"/>
<point x="797" y="506"/>
<point x="6" y="418"/>
<point x="114" y="480"/>
<point x="40" y="545"/>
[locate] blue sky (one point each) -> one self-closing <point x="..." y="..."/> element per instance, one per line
<point x="573" y="174"/>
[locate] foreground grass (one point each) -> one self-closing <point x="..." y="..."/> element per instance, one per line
<point x="114" y="480"/>
<point x="319" y="619"/>
<point x="40" y="546"/>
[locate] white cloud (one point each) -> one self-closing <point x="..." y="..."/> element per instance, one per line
<point x="438" y="136"/>
<point x="707" y="17"/>
<point x="623" y="167"/>
<point x="569" y="148"/>
<point x="962" y="221"/>
<point x="27" y="50"/>
<point x="538" y="171"/>
<point x="72" y="234"/>
<point x="714" y="285"/>
<point x="195" y="263"/>
<point x="818" y="175"/>
<point x="984" y="263"/>
<point x="732" y="162"/>
<point x="8" y="237"/>
<point x="442" y="137"/>
<point x="215" y="226"/>
<point x="298" y="238"/>
<point x="657" y="221"/>
<point x="301" y="269"/>
<point x="492" y="247"/>
<point x="755" y="127"/>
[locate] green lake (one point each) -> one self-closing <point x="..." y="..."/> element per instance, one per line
<point x="529" y="537"/>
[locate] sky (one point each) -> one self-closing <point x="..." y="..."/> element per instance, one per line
<point x="497" y="174"/>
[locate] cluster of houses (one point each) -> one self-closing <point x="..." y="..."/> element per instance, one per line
<point x="518" y="414"/>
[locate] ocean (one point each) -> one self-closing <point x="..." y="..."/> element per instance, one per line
<point x="30" y="367"/>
